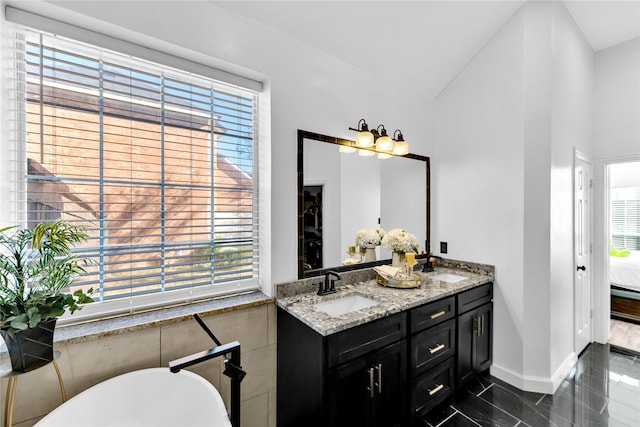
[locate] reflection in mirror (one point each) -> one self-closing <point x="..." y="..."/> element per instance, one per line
<point x="339" y="194"/>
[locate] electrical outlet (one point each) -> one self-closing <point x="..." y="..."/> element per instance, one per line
<point x="443" y="247"/>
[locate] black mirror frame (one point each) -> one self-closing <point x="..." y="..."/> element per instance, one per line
<point x="302" y="135"/>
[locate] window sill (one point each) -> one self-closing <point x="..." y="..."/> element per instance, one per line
<point x="92" y="330"/>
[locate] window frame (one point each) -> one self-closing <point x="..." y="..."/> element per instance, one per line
<point x="624" y="213"/>
<point x="92" y="311"/>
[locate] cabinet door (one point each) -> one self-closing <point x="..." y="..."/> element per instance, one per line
<point x="474" y="343"/>
<point x="351" y="393"/>
<point x="369" y="391"/>
<point x="466" y="341"/>
<point x="390" y="375"/>
<point x="482" y="354"/>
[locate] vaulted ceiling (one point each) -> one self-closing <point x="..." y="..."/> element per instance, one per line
<point x="429" y="41"/>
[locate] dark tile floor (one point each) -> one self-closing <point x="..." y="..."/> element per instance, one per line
<point x="603" y="389"/>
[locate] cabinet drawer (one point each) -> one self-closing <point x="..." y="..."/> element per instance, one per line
<point x="346" y="345"/>
<point x="475" y="298"/>
<point x="431" y="314"/>
<point x="432" y="346"/>
<point x="432" y="388"/>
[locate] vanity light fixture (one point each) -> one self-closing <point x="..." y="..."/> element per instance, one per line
<point x="364" y="138"/>
<point x="369" y="142"/>
<point x="401" y="147"/>
<point x="384" y="143"/>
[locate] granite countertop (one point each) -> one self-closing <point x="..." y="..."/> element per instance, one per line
<point x="390" y="300"/>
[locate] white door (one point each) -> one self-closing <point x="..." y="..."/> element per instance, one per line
<point x="582" y="245"/>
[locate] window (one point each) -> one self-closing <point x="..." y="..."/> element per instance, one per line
<point x="159" y="165"/>
<point x="625" y="218"/>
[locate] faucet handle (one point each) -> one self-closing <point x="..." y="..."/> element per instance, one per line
<point x="330" y="282"/>
<point x="321" y="288"/>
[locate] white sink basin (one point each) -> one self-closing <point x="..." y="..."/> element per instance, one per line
<point x="448" y="277"/>
<point x="346" y="304"/>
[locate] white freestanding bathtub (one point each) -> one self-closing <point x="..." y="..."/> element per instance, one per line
<point x="148" y="397"/>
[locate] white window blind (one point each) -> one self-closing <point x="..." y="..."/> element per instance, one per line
<point x="157" y="164"/>
<point x="625" y="218"/>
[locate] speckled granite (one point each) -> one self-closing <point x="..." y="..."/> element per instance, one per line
<point x="390" y="300"/>
<point x="303" y="286"/>
<point x="471" y="267"/>
<point x="96" y="329"/>
<point x="288" y="289"/>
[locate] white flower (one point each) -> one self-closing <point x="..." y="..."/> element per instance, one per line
<point x="398" y="240"/>
<point x="369" y="236"/>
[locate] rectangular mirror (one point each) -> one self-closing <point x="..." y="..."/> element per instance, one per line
<point x="340" y="193"/>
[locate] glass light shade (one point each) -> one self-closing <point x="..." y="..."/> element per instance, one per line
<point x="366" y="153"/>
<point x="346" y="149"/>
<point x="384" y="144"/>
<point x="364" y="139"/>
<point x="383" y="156"/>
<point x="400" y="148"/>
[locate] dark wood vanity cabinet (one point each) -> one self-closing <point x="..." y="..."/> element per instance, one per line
<point x="353" y="377"/>
<point x="475" y="324"/>
<point x="389" y="372"/>
<point x="433" y="347"/>
<point x="369" y="390"/>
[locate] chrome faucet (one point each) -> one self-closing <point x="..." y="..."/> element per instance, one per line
<point x="329" y="286"/>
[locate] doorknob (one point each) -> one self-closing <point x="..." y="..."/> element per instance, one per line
<point x="581" y="267"/>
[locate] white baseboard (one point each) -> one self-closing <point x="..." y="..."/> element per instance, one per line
<point x="532" y="383"/>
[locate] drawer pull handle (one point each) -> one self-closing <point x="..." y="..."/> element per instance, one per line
<point x="379" y="383"/>
<point x="371" y="383"/>
<point x="436" y="348"/>
<point x="438" y="314"/>
<point x="435" y="390"/>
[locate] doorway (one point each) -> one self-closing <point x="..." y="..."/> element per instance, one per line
<point x="623" y="204"/>
<point x="313" y="236"/>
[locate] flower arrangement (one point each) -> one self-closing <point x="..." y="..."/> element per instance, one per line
<point x="399" y="241"/>
<point x="369" y="237"/>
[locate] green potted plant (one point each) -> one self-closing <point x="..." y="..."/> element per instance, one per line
<point x="36" y="267"/>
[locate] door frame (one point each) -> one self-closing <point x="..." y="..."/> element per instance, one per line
<point x="578" y="156"/>
<point x="602" y="292"/>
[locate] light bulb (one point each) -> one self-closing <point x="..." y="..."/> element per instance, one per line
<point x="366" y="153"/>
<point x="400" y="148"/>
<point x="383" y="156"/>
<point x="384" y="144"/>
<point x="364" y="139"/>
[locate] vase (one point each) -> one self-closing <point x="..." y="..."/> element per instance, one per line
<point x="397" y="259"/>
<point x="369" y="254"/>
<point x="30" y="348"/>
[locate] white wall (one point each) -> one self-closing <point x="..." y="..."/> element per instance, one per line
<point x="572" y="118"/>
<point x="617" y="101"/>
<point x="308" y="89"/>
<point x="478" y="172"/>
<point x="361" y="199"/>
<point x="403" y="187"/>
<point x="506" y="131"/>
<point x="616" y="131"/>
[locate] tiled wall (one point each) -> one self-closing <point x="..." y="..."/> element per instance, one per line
<point x="87" y="363"/>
